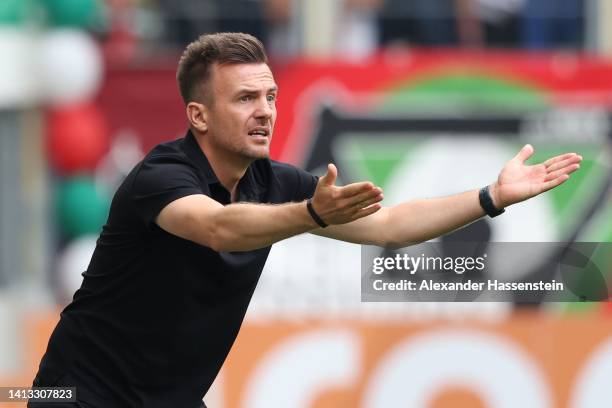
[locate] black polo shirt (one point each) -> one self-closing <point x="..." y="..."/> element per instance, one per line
<point x="156" y="315"/>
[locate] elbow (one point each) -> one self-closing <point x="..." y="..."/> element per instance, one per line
<point x="219" y="244"/>
<point x="391" y="238"/>
<point x="215" y="244"/>
<point x="225" y="244"/>
<point x="397" y="242"/>
<point x="220" y="236"/>
<point x="395" y="238"/>
<point x="221" y="239"/>
<point x="217" y="240"/>
<point x="206" y="229"/>
<point x="209" y="234"/>
<point x="393" y="243"/>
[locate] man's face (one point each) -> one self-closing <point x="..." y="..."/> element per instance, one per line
<point x="242" y="113"/>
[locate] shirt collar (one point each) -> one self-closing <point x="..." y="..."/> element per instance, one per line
<point x="193" y="150"/>
<point x="250" y="187"/>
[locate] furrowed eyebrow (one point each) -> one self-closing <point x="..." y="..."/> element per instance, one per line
<point x="254" y="91"/>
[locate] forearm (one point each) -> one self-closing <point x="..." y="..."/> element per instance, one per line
<point x="248" y="226"/>
<point x="421" y="220"/>
<point x="245" y="226"/>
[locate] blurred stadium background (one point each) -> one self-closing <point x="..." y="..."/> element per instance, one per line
<point x="425" y="98"/>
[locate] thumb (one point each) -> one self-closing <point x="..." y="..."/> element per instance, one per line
<point x="330" y="177"/>
<point x="525" y="153"/>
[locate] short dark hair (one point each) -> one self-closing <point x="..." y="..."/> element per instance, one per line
<point x="220" y="48"/>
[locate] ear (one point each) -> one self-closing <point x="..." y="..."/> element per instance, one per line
<point x="197" y="114"/>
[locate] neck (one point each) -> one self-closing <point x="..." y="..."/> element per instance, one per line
<point x="228" y="168"/>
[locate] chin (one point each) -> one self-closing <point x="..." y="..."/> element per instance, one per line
<point x="265" y="155"/>
<point x="256" y="154"/>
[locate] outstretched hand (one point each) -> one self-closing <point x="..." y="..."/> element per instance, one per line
<point x="518" y="182"/>
<point x="339" y="205"/>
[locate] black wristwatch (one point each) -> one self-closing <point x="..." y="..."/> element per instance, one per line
<point x="486" y="202"/>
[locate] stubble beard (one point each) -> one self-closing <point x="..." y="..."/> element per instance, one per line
<point x="247" y="152"/>
<point x="254" y="154"/>
<point x="253" y="151"/>
<point x="242" y="150"/>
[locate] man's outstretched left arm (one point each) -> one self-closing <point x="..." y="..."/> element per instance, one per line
<point x="417" y="221"/>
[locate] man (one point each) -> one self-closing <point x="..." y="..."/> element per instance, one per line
<point x="191" y="226"/>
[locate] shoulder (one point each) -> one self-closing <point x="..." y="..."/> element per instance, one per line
<point x="299" y="182"/>
<point x="165" y="166"/>
<point x="168" y="153"/>
<point x="165" y="161"/>
<point x="287" y="172"/>
<point x="283" y="174"/>
<point x="268" y="171"/>
<point x="163" y="176"/>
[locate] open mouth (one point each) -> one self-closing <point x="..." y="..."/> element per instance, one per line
<point x="260" y="132"/>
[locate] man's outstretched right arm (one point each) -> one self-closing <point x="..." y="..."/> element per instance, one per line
<point x="247" y="226"/>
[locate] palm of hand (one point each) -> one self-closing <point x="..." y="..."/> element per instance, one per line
<point x="518" y="181"/>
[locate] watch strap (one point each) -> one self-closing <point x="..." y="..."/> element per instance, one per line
<point x="486" y="202"/>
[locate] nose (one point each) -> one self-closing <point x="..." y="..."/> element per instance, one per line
<point x="265" y="109"/>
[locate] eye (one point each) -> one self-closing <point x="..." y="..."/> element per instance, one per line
<point x="246" y="98"/>
<point x="271" y="97"/>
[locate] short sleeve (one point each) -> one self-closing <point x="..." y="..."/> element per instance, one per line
<point x="294" y="183"/>
<point x="307" y="183"/>
<point x="159" y="181"/>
